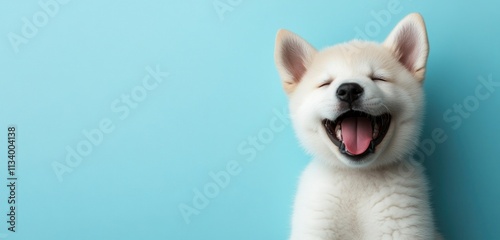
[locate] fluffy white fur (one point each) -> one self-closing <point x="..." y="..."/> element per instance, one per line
<point x="384" y="196"/>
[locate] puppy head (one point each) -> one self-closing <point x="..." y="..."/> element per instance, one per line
<point x="357" y="104"/>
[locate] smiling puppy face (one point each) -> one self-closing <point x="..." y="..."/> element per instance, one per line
<point x="357" y="104"/>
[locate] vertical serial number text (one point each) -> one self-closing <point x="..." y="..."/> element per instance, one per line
<point x="11" y="178"/>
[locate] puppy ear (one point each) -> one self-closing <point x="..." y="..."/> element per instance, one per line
<point x="292" y="56"/>
<point x="409" y="44"/>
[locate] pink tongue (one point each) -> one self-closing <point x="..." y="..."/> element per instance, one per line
<point x="356" y="134"/>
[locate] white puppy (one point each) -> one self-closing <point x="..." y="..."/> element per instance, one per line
<point x="357" y="108"/>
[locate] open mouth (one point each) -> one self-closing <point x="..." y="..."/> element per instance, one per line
<point x="357" y="133"/>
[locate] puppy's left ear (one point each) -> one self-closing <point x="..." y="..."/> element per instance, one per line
<point x="292" y="56"/>
<point x="409" y="44"/>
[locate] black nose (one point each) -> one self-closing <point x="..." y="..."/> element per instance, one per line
<point x="349" y="92"/>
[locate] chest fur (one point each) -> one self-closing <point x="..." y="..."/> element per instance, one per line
<point x="347" y="203"/>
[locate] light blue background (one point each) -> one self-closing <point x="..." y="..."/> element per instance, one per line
<point x="222" y="90"/>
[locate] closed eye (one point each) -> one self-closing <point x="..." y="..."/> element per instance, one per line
<point x="377" y="78"/>
<point x="325" y="84"/>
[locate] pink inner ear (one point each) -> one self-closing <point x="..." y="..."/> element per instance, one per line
<point x="408" y="47"/>
<point x="293" y="59"/>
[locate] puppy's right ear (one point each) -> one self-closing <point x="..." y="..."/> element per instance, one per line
<point x="292" y="55"/>
<point x="409" y="44"/>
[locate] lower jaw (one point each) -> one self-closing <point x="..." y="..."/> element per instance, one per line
<point x="357" y="157"/>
